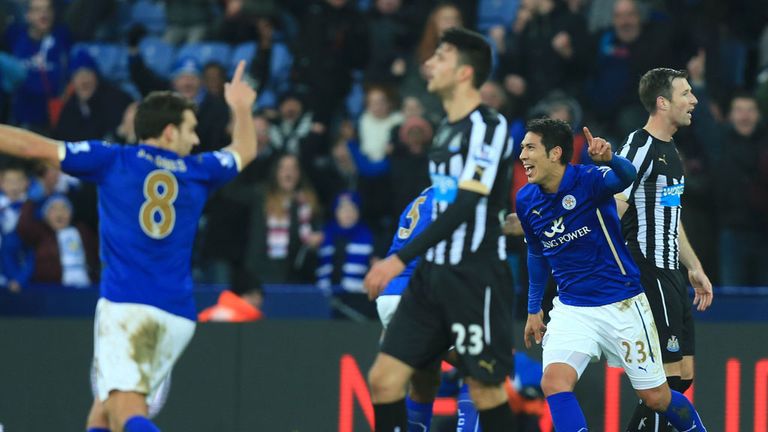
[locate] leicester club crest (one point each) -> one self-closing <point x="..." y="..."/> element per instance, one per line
<point x="569" y="202"/>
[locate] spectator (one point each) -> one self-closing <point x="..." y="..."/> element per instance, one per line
<point x="622" y="54"/>
<point x="414" y="83"/>
<point x="292" y="126"/>
<point x="333" y="42"/>
<point x="212" y="110"/>
<point x="390" y="36"/>
<point x="241" y="303"/>
<point x="739" y="147"/>
<point x="96" y="107"/>
<point x="549" y="51"/>
<point x="347" y="248"/>
<point x="44" y="48"/>
<point x="17" y="260"/>
<point x="283" y="238"/>
<point x="64" y="254"/>
<point x="336" y="172"/>
<point x="187" y="20"/>
<point x="125" y="132"/>
<point x="214" y="77"/>
<point x="409" y="173"/>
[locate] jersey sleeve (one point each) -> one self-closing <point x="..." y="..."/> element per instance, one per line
<point x="88" y="160"/>
<point x="489" y="144"/>
<point x="607" y="180"/>
<point x="637" y="153"/>
<point x="221" y="166"/>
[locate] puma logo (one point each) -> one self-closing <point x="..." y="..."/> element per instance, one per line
<point x="663" y="159"/>
<point x="487" y="365"/>
<point x="536" y="212"/>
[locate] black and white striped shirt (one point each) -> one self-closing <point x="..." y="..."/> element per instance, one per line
<point x="652" y="220"/>
<point x="472" y="154"/>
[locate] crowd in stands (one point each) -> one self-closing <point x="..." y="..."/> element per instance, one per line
<point x="344" y="121"/>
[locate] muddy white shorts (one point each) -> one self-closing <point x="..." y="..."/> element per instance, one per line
<point x="623" y="331"/>
<point x="136" y="346"/>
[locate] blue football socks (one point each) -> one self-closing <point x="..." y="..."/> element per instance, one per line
<point x="468" y="420"/>
<point x="683" y="415"/>
<point x="566" y="412"/>
<point x="140" y="424"/>
<point x="419" y="415"/>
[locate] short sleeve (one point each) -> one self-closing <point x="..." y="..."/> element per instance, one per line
<point x="88" y="160"/>
<point x="489" y="144"/>
<point x="221" y="166"/>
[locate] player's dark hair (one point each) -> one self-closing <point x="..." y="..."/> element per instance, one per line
<point x="158" y="110"/>
<point x="473" y="50"/>
<point x="554" y="133"/>
<point x="657" y="82"/>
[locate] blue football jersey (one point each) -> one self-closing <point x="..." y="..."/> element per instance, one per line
<point x="150" y="201"/>
<point x="578" y="231"/>
<point x="415" y="218"/>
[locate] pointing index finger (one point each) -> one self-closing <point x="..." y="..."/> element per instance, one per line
<point x="239" y="72"/>
<point x="588" y="135"/>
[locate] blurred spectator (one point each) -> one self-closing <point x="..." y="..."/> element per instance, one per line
<point x="332" y="42"/>
<point x="548" y="51"/>
<point x="48" y="181"/>
<point x="237" y="23"/>
<point x="292" y="126"/>
<point x="283" y="219"/>
<point x="64" y="254"/>
<point x="44" y="48"/>
<point x="214" y="78"/>
<point x="125" y="132"/>
<point x="212" y="109"/>
<point x="241" y="303"/>
<point x="187" y="20"/>
<point x="391" y="35"/>
<point x="414" y="83"/>
<point x="377" y="121"/>
<point x="90" y="19"/>
<point x="557" y="105"/>
<point x="17" y="260"/>
<point x="337" y="172"/>
<point x="267" y="153"/>
<point x="622" y="54"/>
<point x="95" y="108"/>
<point x="410" y="165"/>
<point x="739" y="147"/>
<point x="347" y="248"/>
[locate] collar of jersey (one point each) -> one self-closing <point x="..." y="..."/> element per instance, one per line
<point x="154" y="149"/>
<point x="569" y="178"/>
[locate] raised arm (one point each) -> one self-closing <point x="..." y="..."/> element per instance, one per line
<point x="622" y="172"/>
<point x="29" y="145"/>
<point x="240" y="97"/>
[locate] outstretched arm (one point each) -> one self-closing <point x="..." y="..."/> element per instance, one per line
<point x="622" y="172"/>
<point x="240" y="97"/>
<point x="28" y="145"/>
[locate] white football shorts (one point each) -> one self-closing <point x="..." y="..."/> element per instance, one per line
<point x="623" y="331"/>
<point x="136" y="346"/>
<point x="386" y="305"/>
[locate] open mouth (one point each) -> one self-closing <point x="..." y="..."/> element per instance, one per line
<point x="529" y="170"/>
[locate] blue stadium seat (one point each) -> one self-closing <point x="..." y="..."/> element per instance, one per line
<point x="111" y="58"/>
<point x="206" y="52"/>
<point x="157" y="54"/>
<point x="496" y="12"/>
<point x="244" y="51"/>
<point x="150" y="14"/>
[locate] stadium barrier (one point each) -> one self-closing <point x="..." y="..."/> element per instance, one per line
<point x="309" y="376"/>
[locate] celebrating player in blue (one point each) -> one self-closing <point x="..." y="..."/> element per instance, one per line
<point x="150" y="199"/>
<point x="571" y="226"/>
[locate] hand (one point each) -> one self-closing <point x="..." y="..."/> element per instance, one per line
<point x="512" y="225"/>
<point x="398" y="67"/>
<point x="380" y="274"/>
<point x="697" y="67"/>
<point x="238" y="93"/>
<point x="515" y="84"/>
<point x="14" y="287"/>
<point x="314" y="239"/>
<point x="598" y="148"/>
<point x="702" y="289"/>
<point x="561" y="43"/>
<point x="535" y="327"/>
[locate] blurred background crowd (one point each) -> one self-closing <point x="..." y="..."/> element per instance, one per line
<point x="344" y="121"/>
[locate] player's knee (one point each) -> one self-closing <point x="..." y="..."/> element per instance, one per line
<point x="486" y="395"/>
<point x="382" y="383"/>
<point x="552" y="384"/>
<point x="657" y="398"/>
